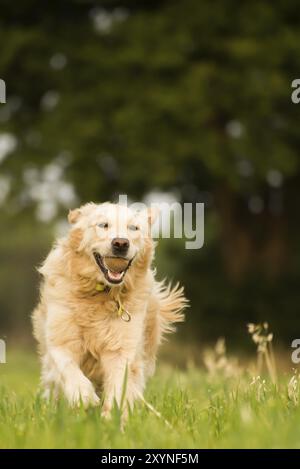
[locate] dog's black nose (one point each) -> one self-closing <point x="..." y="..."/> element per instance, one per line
<point x="120" y="245"/>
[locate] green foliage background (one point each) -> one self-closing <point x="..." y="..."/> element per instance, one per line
<point x="189" y="97"/>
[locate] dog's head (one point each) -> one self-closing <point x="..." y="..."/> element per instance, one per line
<point x="112" y="237"/>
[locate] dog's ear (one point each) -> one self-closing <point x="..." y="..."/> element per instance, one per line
<point x="152" y="213"/>
<point x="74" y="215"/>
<point x="85" y="210"/>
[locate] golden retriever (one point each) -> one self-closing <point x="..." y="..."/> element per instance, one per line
<point x="102" y="314"/>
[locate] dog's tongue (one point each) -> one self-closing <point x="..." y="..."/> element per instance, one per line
<point x="115" y="275"/>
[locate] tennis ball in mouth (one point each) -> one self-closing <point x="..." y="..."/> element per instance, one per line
<point x="116" y="264"/>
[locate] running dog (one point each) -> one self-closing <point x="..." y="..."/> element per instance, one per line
<point x="102" y="314"/>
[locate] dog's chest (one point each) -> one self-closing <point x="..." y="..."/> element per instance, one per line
<point x="107" y="330"/>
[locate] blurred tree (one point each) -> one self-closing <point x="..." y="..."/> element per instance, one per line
<point x="124" y="96"/>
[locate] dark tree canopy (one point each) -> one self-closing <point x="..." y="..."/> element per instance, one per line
<point x="191" y="97"/>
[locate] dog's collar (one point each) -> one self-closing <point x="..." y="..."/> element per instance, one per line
<point x="121" y="311"/>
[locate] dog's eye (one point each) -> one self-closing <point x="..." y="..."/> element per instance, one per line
<point x="133" y="227"/>
<point x="103" y="225"/>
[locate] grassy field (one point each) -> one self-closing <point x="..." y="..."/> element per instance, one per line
<point x="226" y="409"/>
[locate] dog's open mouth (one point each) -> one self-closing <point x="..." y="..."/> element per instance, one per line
<point x="113" y="268"/>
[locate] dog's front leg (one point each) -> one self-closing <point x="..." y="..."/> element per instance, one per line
<point x="114" y="373"/>
<point x="119" y="380"/>
<point x="75" y="385"/>
<point x="64" y="350"/>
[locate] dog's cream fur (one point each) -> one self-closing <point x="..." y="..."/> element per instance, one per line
<point x="85" y="347"/>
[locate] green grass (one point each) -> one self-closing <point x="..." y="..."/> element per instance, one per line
<point x="204" y="411"/>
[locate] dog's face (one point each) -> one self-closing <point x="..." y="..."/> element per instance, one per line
<point x="113" y="236"/>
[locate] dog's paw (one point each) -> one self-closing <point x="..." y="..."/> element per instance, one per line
<point x="107" y="415"/>
<point x="106" y="411"/>
<point x="124" y="418"/>
<point x="46" y="394"/>
<point x="81" y="391"/>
